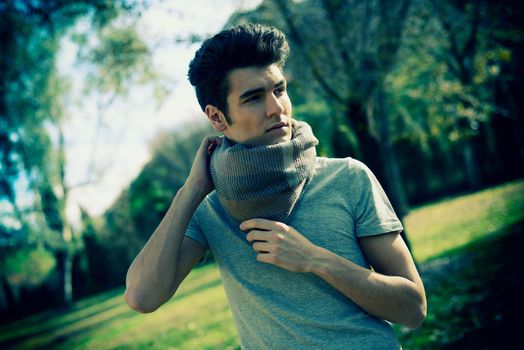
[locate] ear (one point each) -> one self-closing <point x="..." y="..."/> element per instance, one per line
<point x="216" y="117"/>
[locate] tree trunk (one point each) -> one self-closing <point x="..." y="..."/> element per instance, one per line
<point x="7" y="295"/>
<point x="67" y="256"/>
<point x="64" y="262"/>
<point x="470" y="163"/>
<point x="394" y="182"/>
<point x="342" y="147"/>
<point x="369" y="148"/>
<point x="519" y="142"/>
<point x="393" y="177"/>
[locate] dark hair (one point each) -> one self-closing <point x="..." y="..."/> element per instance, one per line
<point x="239" y="47"/>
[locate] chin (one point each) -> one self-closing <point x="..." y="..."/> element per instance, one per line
<point x="267" y="141"/>
<point x="280" y="140"/>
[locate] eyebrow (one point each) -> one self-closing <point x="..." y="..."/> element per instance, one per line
<point x="252" y="92"/>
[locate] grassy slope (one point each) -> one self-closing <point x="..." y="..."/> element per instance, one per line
<point x="105" y="322"/>
<point x="199" y="317"/>
<point x="448" y="224"/>
<point x="474" y="297"/>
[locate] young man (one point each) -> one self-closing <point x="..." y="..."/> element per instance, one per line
<point x="308" y="248"/>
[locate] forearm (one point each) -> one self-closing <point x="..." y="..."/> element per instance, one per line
<point x="393" y="298"/>
<point x="151" y="278"/>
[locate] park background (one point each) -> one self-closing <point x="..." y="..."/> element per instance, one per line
<point x="98" y="129"/>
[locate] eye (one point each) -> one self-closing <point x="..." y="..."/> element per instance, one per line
<point x="280" y="90"/>
<point x="252" y="98"/>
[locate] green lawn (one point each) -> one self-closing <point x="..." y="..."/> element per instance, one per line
<point x="199" y="317"/>
<point x="448" y="224"/>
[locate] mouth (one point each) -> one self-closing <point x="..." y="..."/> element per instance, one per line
<point x="277" y="126"/>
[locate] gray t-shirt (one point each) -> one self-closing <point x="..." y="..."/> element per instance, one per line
<point x="277" y="309"/>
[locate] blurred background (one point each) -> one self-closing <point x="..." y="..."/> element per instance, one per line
<point x="99" y="127"/>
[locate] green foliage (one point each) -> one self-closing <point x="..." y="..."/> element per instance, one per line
<point x="32" y="95"/>
<point x="318" y="115"/>
<point x="32" y="109"/>
<point x="442" y="86"/>
<point x="139" y="209"/>
<point x="433" y="96"/>
<point x="29" y="267"/>
<point x="121" y="59"/>
<point x="112" y="243"/>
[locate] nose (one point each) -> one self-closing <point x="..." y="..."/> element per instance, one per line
<point x="274" y="106"/>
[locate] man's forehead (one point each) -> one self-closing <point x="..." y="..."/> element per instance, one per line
<point x="242" y="79"/>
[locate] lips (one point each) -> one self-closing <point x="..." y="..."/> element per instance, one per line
<point x="277" y="126"/>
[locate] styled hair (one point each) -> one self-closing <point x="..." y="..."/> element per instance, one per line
<point x="242" y="46"/>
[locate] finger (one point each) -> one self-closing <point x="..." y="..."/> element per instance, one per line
<point x="260" y="224"/>
<point x="261" y="247"/>
<point x="205" y="144"/>
<point x="210" y="148"/>
<point x="212" y="143"/>
<point x="267" y="258"/>
<point x="257" y="235"/>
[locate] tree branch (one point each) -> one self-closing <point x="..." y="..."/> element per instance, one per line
<point x="331" y="10"/>
<point x="295" y="35"/>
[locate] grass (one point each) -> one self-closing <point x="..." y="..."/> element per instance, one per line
<point x="475" y="298"/>
<point x="455" y="231"/>
<point x="105" y="322"/>
<point x="435" y="229"/>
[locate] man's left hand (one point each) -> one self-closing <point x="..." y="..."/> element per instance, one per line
<point x="279" y="244"/>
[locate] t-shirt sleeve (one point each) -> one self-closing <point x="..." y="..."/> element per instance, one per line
<point x="374" y="214"/>
<point x="194" y="231"/>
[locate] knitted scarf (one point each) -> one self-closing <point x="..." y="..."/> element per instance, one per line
<point x="264" y="181"/>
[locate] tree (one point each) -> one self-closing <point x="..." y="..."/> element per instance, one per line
<point x="443" y="91"/>
<point x="32" y="95"/>
<point x="462" y="24"/>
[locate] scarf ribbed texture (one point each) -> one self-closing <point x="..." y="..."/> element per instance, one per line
<point x="264" y="181"/>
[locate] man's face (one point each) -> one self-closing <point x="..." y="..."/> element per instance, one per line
<point x="259" y="107"/>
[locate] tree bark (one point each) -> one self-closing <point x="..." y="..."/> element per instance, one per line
<point x="64" y="265"/>
<point x="369" y="148"/>
<point x="394" y="182"/>
<point x="67" y="255"/>
<point x="470" y="163"/>
<point x="7" y="295"/>
<point x="389" y="158"/>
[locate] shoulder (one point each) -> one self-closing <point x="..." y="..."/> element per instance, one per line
<point x="211" y="212"/>
<point x="209" y="203"/>
<point x="347" y="162"/>
<point x="348" y="167"/>
<point x="340" y="176"/>
<point x="348" y="175"/>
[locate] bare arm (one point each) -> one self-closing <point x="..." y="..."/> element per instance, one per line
<point x="392" y="291"/>
<point x="168" y="256"/>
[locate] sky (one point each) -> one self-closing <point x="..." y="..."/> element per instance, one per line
<point x="117" y="143"/>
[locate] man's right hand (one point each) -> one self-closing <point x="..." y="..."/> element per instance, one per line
<point x="199" y="178"/>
